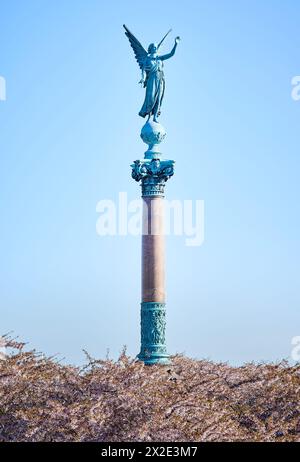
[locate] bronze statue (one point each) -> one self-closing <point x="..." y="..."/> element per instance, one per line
<point x="151" y="64"/>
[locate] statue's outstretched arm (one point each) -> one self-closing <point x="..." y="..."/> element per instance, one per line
<point x="172" y="52"/>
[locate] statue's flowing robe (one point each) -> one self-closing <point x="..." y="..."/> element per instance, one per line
<point x="155" y="87"/>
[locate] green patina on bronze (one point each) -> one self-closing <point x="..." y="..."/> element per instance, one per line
<point x="153" y="333"/>
<point x="152" y="172"/>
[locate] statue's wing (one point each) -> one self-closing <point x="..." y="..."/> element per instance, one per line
<point x="139" y="51"/>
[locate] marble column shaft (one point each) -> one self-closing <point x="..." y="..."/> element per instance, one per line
<point x="153" y="250"/>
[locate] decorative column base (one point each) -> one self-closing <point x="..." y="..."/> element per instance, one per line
<point x="153" y="326"/>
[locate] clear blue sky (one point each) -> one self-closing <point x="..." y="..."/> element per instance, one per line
<point x="68" y="133"/>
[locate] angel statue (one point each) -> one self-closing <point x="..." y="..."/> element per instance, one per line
<point x="151" y="64"/>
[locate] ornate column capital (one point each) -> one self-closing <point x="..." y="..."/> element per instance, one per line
<point x="153" y="174"/>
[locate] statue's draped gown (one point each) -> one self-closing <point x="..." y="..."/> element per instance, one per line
<point x="155" y="87"/>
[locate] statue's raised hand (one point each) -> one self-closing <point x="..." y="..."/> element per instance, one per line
<point x="177" y="40"/>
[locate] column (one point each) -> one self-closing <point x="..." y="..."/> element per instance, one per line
<point x="153" y="172"/>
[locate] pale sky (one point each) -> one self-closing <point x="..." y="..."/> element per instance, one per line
<point x="69" y="130"/>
